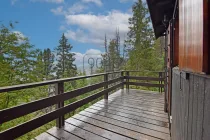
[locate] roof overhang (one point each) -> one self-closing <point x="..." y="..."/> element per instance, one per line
<point x="158" y="9"/>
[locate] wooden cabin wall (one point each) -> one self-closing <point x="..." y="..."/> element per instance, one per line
<point x="176" y="43"/>
<point x="193" y="48"/>
<point x="190" y="106"/>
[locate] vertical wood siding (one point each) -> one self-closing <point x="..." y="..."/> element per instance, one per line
<point x="190" y="107"/>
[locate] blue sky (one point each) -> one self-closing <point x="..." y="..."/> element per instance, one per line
<point x="84" y="22"/>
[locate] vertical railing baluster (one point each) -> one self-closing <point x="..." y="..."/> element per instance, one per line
<point x="122" y="76"/>
<point x="127" y="80"/>
<point x="159" y="83"/>
<point x="59" y="89"/>
<point x="106" y="86"/>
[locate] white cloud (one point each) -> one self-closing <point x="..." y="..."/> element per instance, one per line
<point x="81" y="36"/>
<point x="77" y="8"/>
<point x="58" y="11"/>
<point x="92" y="28"/>
<point x="97" y="2"/>
<point x="50" y="1"/>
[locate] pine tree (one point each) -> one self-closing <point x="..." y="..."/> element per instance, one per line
<point x="49" y="69"/>
<point x="39" y="70"/>
<point x="65" y="62"/>
<point x="112" y="55"/>
<point x="141" y="38"/>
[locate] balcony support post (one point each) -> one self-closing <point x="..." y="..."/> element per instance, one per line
<point x="106" y="86"/>
<point x="122" y="76"/>
<point x="127" y="80"/>
<point x="59" y="89"/>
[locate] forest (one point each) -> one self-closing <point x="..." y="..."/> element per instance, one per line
<point x="21" y="63"/>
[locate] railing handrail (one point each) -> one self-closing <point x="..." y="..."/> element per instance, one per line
<point x="49" y="82"/>
<point x="143" y="71"/>
<point x="61" y="96"/>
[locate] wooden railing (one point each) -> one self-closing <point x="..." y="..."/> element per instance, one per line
<point x="61" y="96"/>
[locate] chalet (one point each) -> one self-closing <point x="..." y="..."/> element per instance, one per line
<point x="181" y="111"/>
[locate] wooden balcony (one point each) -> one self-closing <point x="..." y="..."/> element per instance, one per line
<point x="124" y="114"/>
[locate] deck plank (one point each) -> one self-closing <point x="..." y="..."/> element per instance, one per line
<point x="155" y="122"/>
<point x="125" y="115"/>
<point x="45" y="136"/>
<point x="125" y="125"/>
<point x="61" y="134"/>
<point x="114" y="128"/>
<point x="134" y="106"/>
<point x="129" y="120"/>
<point x="138" y="104"/>
<point x="134" y="96"/>
<point x="143" y="100"/>
<point x="133" y="109"/>
<point x="98" y="130"/>
<point x="134" y="113"/>
<point x="82" y="133"/>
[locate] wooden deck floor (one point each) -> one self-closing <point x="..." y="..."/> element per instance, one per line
<point x="134" y="115"/>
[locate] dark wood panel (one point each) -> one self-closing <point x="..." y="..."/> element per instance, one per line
<point x="206" y="35"/>
<point x="176" y="43"/>
<point x="61" y="134"/>
<point x="129" y="120"/>
<point x="128" y="126"/>
<point x="97" y="130"/>
<point x="114" y="128"/>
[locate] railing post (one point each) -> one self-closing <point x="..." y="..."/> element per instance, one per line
<point x="122" y="76"/>
<point x="127" y="80"/>
<point x="59" y="89"/>
<point x="106" y="86"/>
<point x="160" y="82"/>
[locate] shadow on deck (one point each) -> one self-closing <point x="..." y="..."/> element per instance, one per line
<point x="136" y="114"/>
